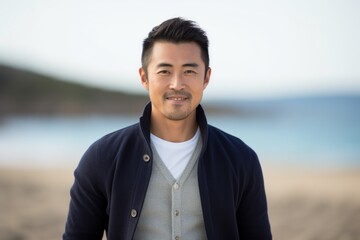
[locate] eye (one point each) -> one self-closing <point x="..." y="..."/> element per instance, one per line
<point x="190" y="72"/>
<point x="163" y="72"/>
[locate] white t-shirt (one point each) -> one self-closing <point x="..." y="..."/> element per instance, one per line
<point x="175" y="155"/>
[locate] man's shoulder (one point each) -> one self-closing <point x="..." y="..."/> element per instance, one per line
<point x="103" y="152"/>
<point x="119" y="135"/>
<point x="229" y="145"/>
<point x="225" y="138"/>
<point x="110" y="143"/>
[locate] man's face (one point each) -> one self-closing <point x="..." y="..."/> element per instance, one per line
<point x="175" y="79"/>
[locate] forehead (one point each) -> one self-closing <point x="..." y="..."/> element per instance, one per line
<point x="175" y="53"/>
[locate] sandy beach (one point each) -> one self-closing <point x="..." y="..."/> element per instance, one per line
<point x="303" y="204"/>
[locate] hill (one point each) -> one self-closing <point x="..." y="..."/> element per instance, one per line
<point x="25" y="92"/>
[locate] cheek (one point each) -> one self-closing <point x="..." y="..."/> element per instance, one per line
<point x="201" y="87"/>
<point x="155" y="90"/>
<point x="157" y="85"/>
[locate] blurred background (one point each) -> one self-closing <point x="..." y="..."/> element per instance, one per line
<point x="285" y="79"/>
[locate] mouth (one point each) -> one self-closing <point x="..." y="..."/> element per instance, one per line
<point x="178" y="97"/>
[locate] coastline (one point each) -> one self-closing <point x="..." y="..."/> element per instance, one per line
<point x="303" y="203"/>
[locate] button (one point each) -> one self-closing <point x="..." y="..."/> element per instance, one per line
<point x="176" y="186"/>
<point x="146" y="158"/>
<point x="177" y="212"/>
<point x="133" y="213"/>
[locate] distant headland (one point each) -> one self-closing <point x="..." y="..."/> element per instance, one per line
<point x="24" y="92"/>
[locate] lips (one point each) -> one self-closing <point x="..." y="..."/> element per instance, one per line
<point x="177" y="96"/>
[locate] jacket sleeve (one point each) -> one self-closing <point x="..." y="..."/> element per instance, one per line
<point x="252" y="214"/>
<point x="87" y="211"/>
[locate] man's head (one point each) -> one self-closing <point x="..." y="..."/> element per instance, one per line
<point x="175" y="70"/>
<point x="176" y="30"/>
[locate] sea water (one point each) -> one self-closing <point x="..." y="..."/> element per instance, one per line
<point x="314" y="132"/>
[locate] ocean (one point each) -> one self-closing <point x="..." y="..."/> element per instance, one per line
<point x="314" y="132"/>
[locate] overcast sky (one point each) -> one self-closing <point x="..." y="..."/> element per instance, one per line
<point x="257" y="48"/>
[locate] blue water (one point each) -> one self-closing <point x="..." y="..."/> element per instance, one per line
<point x="306" y="132"/>
<point x="312" y="132"/>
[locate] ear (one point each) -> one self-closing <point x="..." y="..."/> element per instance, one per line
<point x="143" y="78"/>
<point x="207" y="77"/>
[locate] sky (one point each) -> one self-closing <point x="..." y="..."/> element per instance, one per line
<point x="258" y="49"/>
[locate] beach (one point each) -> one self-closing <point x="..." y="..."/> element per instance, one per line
<point x="304" y="204"/>
<point x="314" y="204"/>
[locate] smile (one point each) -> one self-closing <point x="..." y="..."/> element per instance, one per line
<point x="177" y="98"/>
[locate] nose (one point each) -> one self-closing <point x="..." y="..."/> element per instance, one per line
<point x="177" y="82"/>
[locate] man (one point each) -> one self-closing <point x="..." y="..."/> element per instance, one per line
<point x="171" y="176"/>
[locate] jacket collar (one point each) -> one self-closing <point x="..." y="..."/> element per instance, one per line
<point x="200" y="118"/>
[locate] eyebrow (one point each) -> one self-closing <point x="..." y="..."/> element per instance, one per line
<point x="194" y="65"/>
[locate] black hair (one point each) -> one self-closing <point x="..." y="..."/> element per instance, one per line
<point x="176" y="30"/>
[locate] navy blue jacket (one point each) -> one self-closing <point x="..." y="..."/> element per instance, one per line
<point x="113" y="175"/>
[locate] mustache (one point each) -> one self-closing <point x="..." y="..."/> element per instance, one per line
<point x="177" y="93"/>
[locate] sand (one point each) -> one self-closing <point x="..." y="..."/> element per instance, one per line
<point x="303" y="204"/>
<point x="313" y="204"/>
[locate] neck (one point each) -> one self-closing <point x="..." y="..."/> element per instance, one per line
<point x="174" y="131"/>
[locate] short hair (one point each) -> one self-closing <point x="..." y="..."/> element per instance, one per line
<point x="176" y="30"/>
